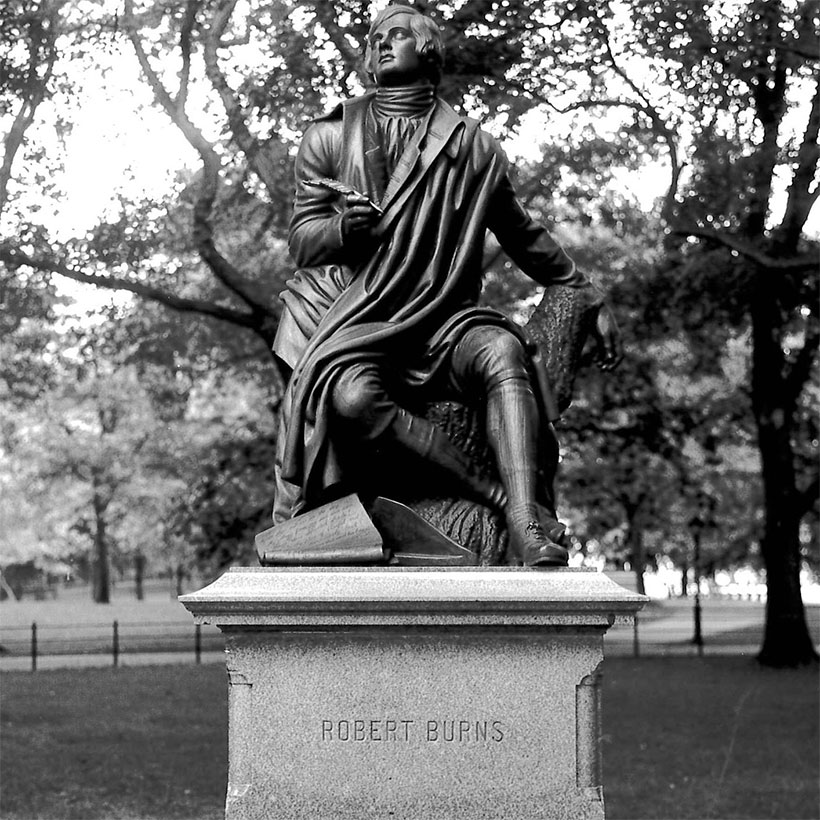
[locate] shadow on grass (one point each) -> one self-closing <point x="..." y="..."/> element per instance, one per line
<point x="685" y="738"/>
<point x="710" y="738"/>
<point x="146" y="742"/>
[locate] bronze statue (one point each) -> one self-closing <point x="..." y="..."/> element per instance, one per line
<point x="395" y="192"/>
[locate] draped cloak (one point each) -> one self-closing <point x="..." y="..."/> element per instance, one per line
<point x="406" y="296"/>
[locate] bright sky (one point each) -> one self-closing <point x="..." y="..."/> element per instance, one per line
<point x="117" y="145"/>
<point x="645" y="187"/>
<point x="122" y="142"/>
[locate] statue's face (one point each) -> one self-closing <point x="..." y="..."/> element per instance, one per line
<point x="393" y="52"/>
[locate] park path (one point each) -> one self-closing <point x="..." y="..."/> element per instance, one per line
<point x="729" y="627"/>
<point x="73" y="631"/>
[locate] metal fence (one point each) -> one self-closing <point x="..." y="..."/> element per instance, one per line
<point x="115" y="640"/>
<point x="672" y="627"/>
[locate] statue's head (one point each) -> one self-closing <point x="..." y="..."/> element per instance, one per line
<point x="403" y="47"/>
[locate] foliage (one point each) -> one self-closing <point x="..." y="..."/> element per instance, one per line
<point x="230" y="500"/>
<point x="716" y="288"/>
<point x="107" y="460"/>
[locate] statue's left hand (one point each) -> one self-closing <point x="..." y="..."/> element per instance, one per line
<point x="608" y="338"/>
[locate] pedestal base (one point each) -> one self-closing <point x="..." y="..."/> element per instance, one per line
<point x="414" y="693"/>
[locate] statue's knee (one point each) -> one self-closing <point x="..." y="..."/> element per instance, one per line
<point x="504" y="357"/>
<point x="488" y="356"/>
<point x="361" y="404"/>
<point x="507" y="349"/>
<point x="352" y="399"/>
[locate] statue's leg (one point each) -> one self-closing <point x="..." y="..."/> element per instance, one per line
<point x="430" y="442"/>
<point x="497" y="360"/>
<point x="364" y="411"/>
<point x="288" y="498"/>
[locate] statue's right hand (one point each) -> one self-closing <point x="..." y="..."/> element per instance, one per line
<point x="359" y="216"/>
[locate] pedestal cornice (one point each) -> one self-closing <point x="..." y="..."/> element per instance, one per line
<point x="386" y="596"/>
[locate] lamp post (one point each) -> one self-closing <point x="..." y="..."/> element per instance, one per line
<point x="696" y="525"/>
<point x="702" y="521"/>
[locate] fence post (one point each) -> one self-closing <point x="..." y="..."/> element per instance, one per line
<point x="198" y="643"/>
<point x="115" y="647"/>
<point x="33" y="646"/>
<point x="636" y="645"/>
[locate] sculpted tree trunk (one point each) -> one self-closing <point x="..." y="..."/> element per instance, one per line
<point x="559" y="327"/>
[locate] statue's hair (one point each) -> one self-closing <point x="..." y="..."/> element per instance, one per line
<point x="426" y="33"/>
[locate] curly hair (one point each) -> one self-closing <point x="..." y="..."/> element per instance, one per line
<point x="426" y="33"/>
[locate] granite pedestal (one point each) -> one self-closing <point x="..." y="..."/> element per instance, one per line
<point x="414" y="693"/>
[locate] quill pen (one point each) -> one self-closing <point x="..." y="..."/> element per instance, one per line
<point x="341" y="188"/>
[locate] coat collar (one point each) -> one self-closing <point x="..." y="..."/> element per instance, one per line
<point x="427" y="143"/>
<point x="431" y="138"/>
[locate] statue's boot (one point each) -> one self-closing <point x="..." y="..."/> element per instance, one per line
<point x="533" y="541"/>
<point x="535" y="536"/>
<point x="426" y="440"/>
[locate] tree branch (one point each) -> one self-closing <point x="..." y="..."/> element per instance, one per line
<point x="230" y="103"/>
<point x="603" y="30"/>
<point x="233" y="108"/>
<point x="801" y="198"/>
<point x="607" y="103"/>
<point x="799" y="371"/>
<point x="249" y="320"/>
<point x="643" y="106"/>
<point x="185" y="34"/>
<point x="211" y="168"/>
<point x="262" y="164"/>
<point x="768" y="82"/>
<point x="806" y="54"/>
<point x="807" y="497"/>
<point x="325" y="14"/>
<point x="178" y="116"/>
<point x="661" y="128"/>
<point x="42" y="35"/>
<point x="749" y="251"/>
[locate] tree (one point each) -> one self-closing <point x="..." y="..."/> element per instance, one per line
<point x="731" y="97"/>
<point x="757" y="64"/>
<point x="728" y="96"/>
<point x="27" y="72"/>
<point x="135" y="449"/>
<point x="78" y="443"/>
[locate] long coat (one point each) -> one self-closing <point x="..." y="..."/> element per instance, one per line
<point x="405" y="297"/>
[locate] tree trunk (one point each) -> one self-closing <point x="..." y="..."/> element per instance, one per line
<point x="139" y="572"/>
<point x="786" y="639"/>
<point x="102" y="574"/>
<point x="684" y="580"/>
<point x="101" y="580"/>
<point x="634" y="540"/>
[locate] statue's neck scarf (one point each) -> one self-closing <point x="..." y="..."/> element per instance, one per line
<point x="398" y="111"/>
<point x="404" y="100"/>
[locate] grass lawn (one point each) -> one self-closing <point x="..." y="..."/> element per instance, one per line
<point x="710" y="738"/>
<point x="685" y="738"/>
<point x="148" y="742"/>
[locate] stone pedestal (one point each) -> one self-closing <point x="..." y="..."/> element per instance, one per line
<point x="414" y="693"/>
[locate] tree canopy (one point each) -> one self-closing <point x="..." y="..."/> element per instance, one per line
<point x="715" y="283"/>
